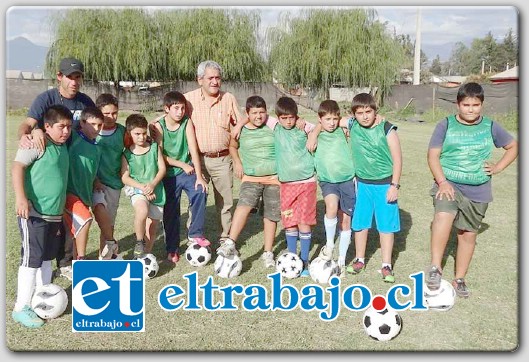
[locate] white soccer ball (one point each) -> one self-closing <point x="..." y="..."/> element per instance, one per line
<point x="150" y="265"/>
<point x="198" y="255"/>
<point x="289" y="265"/>
<point x="442" y="299"/>
<point x="382" y="325"/>
<point x="228" y="267"/>
<point x="322" y="270"/>
<point x="49" y="301"/>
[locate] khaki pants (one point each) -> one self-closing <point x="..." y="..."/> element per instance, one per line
<point x="220" y="172"/>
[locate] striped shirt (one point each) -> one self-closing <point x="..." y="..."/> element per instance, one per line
<point x="212" y="121"/>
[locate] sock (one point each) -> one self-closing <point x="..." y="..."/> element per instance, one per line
<point x="341" y="260"/>
<point x="292" y="241"/>
<point x="345" y="240"/>
<point x="330" y="230"/>
<point x="386" y="264"/>
<point x="363" y="260"/>
<point x="44" y="273"/>
<point x="305" y="240"/>
<point x="25" y="286"/>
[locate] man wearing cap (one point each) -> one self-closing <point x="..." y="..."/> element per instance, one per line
<point x="70" y="77"/>
<point x="30" y="131"/>
<point x="213" y="113"/>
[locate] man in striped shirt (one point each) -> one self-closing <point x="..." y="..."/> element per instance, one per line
<point x="214" y="113"/>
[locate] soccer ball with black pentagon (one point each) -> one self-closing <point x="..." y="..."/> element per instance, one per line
<point x="289" y="265"/>
<point x="150" y="265"/>
<point x="198" y="255"/>
<point x="49" y="301"/>
<point x="228" y="267"/>
<point x="382" y="325"/>
<point x="322" y="270"/>
<point x="442" y="299"/>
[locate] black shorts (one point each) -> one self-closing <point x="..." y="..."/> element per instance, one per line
<point x="41" y="240"/>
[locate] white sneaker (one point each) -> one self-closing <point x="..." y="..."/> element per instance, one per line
<point x="65" y="271"/>
<point x="268" y="259"/>
<point x="326" y="253"/>
<point x="111" y="248"/>
<point x="227" y="248"/>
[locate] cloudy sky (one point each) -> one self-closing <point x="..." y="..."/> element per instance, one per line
<point x="441" y="26"/>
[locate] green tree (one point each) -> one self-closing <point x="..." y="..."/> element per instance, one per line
<point x="435" y="68"/>
<point x="322" y="47"/>
<point x="507" y="52"/>
<point x="134" y="44"/>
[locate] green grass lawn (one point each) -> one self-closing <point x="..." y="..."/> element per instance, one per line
<point x="487" y="321"/>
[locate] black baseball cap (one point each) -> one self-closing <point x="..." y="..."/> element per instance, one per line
<point x="71" y="65"/>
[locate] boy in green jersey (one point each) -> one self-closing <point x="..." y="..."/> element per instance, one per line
<point x="459" y="157"/>
<point x="254" y="162"/>
<point x="142" y="170"/>
<point x="108" y="183"/>
<point x="335" y="169"/>
<point x="39" y="182"/>
<point x="175" y="134"/>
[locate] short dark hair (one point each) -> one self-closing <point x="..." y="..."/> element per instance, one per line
<point x="286" y="106"/>
<point x="255" y="102"/>
<point x="104" y="99"/>
<point x="470" y="90"/>
<point x="363" y="100"/>
<point x="56" y="113"/>
<point x="91" y="112"/>
<point x="136" y="120"/>
<point x="173" y="97"/>
<point x="328" y="106"/>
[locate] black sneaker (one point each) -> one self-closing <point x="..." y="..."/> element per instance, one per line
<point x="461" y="288"/>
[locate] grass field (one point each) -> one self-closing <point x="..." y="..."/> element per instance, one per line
<point x="487" y="321"/>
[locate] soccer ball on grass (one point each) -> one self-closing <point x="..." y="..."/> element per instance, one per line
<point x="198" y="255"/>
<point x="228" y="267"/>
<point x="289" y="265"/>
<point x="442" y="299"/>
<point x="322" y="270"/>
<point x="382" y="325"/>
<point x="150" y="265"/>
<point x="49" y="301"/>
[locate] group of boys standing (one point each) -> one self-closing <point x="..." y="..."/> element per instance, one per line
<point x="64" y="174"/>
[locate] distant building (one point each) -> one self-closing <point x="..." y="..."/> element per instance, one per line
<point x="13" y="74"/>
<point x="510" y="75"/>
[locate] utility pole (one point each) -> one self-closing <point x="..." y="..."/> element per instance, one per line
<point x="417" y="58"/>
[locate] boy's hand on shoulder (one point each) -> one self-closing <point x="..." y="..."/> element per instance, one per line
<point x="300" y="124"/>
<point x="22" y="207"/>
<point x="188" y="169"/>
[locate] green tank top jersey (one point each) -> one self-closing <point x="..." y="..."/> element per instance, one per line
<point x="109" y="172"/>
<point x="294" y="162"/>
<point x="143" y="168"/>
<point x="333" y="158"/>
<point x="175" y="146"/>
<point x="371" y="155"/>
<point x="46" y="179"/>
<point x="465" y="149"/>
<point x="84" y="162"/>
<point x="257" y="151"/>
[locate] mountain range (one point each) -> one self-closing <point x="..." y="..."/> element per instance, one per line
<point x="22" y="54"/>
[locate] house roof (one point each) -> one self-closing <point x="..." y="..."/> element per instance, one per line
<point x="508" y="74"/>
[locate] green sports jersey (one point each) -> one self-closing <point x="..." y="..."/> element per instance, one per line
<point x="465" y="150"/>
<point x="333" y="158"/>
<point x="175" y="146"/>
<point x="371" y="154"/>
<point x="257" y="151"/>
<point x="45" y="180"/>
<point x="109" y="172"/>
<point x="84" y="156"/>
<point x="143" y="168"/>
<point x="294" y="162"/>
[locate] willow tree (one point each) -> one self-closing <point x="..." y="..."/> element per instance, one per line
<point x="323" y="47"/>
<point x="138" y="45"/>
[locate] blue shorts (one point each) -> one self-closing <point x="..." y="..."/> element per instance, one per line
<point x="345" y="192"/>
<point x="371" y="200"/>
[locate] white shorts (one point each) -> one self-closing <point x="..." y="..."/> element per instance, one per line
<point x="109" y="198"/>
<point x="155" y="211"/>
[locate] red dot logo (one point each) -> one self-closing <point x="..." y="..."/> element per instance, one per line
<point x="127" y="324"/>
<point x="379" y="302"/>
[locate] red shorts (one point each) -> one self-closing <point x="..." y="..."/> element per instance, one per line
<point x="298" y="204"/>
<point x="76" y="214"/>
